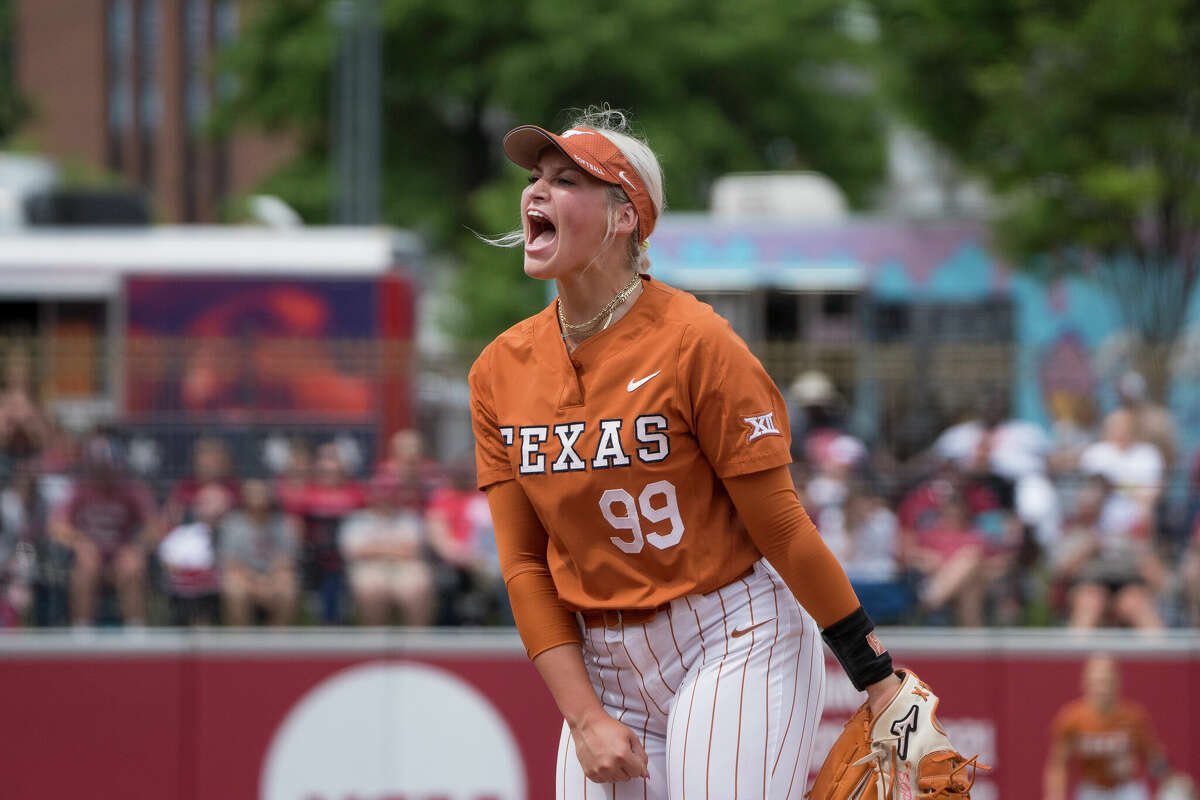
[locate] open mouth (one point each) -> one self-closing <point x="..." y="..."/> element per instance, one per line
<point x="539" y="230"/>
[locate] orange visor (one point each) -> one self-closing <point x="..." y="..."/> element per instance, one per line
<point x="592" y="151"/>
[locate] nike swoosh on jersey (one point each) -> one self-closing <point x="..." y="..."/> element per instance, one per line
<point x="635" y="384"/>
<point x="743" y="631"/>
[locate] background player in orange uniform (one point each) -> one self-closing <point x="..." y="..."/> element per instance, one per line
<point x="635" y="456"/>
<point x="1110" y="739"/>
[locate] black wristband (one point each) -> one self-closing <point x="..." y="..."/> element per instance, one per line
<point x="857" y="650"/>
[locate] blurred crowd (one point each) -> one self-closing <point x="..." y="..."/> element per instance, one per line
<point x="997" y="522"/>
<point x="1002" y="522"/>
<point x="85" y="540"/>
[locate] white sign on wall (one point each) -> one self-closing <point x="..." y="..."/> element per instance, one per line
<point x="386" y="731"/>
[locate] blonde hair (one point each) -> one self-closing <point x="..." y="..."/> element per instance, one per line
<point x="615" y="126"/>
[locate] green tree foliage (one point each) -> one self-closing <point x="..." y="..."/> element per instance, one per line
<point x="715" y="86"/>
<point x="1085" y="118"/>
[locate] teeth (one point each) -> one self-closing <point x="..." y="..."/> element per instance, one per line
<point x="535" y="213"/>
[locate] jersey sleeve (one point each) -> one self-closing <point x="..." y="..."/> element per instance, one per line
<point x="767" y="502"/>
<point x="1062" y="727"/>
<point x="738" y="415"/>
<point x="542" y="619"/>
<point x="491" y="458"/>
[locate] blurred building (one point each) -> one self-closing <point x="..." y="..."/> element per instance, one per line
<point x="127" y="86"/>
<point x="914" y="321"/>
<point x="255" y="335"/>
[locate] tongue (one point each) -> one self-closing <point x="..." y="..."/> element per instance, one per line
<point x="543" y="238"/>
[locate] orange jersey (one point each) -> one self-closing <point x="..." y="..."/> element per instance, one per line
<point x="620" y="446"/>
<point x="1108" y="747"/>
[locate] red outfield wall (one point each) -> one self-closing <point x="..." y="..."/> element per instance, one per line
<point x="398" y="715"/>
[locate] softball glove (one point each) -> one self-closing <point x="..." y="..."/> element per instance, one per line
<point x="903" y="754"/>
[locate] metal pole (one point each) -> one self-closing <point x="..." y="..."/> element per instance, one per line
<point x="341" y="12"/>
<point x="369" y="99"/>
<point x="356" y="100"/>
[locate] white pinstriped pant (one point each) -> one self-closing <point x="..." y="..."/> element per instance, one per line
<point x="722" y="716"/>
<point x="1131" y="790"/>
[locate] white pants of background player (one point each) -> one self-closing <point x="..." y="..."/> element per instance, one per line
<point x="1130" y="790"/>
<point x="725" y="690"/>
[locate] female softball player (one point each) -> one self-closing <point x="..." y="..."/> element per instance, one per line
<point x="634" y="454"/>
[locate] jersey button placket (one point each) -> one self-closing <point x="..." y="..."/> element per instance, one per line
<point x="572" y="388"/>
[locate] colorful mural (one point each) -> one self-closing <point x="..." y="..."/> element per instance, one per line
<point x="1071" y="341"/>
<point x="243" y="350"/>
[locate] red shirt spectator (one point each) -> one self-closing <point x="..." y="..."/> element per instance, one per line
<point x="183" y="494"/>
<point x="111" y="515"/>
<point x="323" y="505"/>
<point x="462" y="521"/>
<point x="291" y="486"/>
<point x="210" y="467"/>
<point x="323" y="509"/>
<point x="102" y="521"/>
<point x="460" y="529"/>
<point x="406" y="457"/>
<point x="922" y="507"/>
<point x="952" y="533"/>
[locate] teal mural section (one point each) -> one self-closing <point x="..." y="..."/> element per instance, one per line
<point x="1071" y="341"/>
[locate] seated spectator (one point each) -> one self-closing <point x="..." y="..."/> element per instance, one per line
<point x="1189" y="573"/>
<point x="17" y="560"/>
<point x="406" y="455"/>
<point x="814" y="409"/>
<point x="1072" y="429"/>
<point x="105" y="522"/>
<point x="38" y="486"/>
<point x="291" y="487"/>
<point x="39" y="566"/>
<point x="24" y="427"/>
<point x="1010" y="460"/>
<point x="1019" y="453"/>
<point x="211" y="466"/>
<point x="958" y="562"/>
<point x="471" y="587"/>
<point x="382" y="546"/>
<point x="258" y="548"/>
<point x="921" y="508"/>
<point x="58" y="464"/>
<point x="835" y="457"/>
<point x="1153" y="422"/>
<point x="865" y="536"/>
<point x="324" y="505"/>
<point x="1192" y="514"/>
<point x="1133" y="467"/>
<point x="1009" y="457"/>
<point x="188" y="554"/>
<point x="1107" y="559"/>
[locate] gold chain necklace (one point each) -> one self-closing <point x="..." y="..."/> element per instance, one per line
<point x="608" y="309"/>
